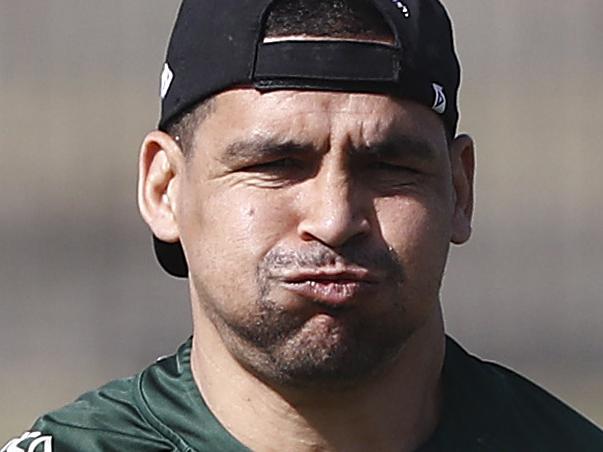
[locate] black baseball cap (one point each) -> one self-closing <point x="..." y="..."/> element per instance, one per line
<point x="218" y="44"/>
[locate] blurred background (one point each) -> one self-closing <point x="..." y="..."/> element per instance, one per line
<point x="82" y="300"/>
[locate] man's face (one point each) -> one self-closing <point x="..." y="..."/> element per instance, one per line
<point x="316" y="227"/>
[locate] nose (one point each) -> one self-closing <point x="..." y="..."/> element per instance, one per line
<point x="334" y="211"/>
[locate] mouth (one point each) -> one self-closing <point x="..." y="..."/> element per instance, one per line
<point x="333" y="289"/>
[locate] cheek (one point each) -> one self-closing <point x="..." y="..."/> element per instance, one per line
<point x="235" y="230"/>
<point x="419" y="231"/>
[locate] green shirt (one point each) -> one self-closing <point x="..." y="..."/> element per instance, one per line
<point x="486" y="408"/>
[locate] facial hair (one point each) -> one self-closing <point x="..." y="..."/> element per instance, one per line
<point x="319" y="345"/>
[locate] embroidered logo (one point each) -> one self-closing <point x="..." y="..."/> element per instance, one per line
<point x="402" y="7"/>
<point x="38" y="440"/>
<point x="167" y="76"/>
<point x="439" y="103"/>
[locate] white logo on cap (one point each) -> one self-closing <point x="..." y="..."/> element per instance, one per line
<point x="167" y="76"/>
<point x="402" y="7"/>
<point x="439" y="103"/>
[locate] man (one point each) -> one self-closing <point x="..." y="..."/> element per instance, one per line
<point x="308" y="179"/>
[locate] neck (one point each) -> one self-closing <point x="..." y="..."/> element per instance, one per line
<point x="397" y="409"/>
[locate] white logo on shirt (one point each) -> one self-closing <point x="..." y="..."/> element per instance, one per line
<point x="39" y="440"/>
<point x="439" y="103"/>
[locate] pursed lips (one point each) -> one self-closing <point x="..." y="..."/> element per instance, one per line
<point x="335" y="288"/>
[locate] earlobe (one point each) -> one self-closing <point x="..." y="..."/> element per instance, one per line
<point x="462" y="157"/>
<point x="158" y="169"/>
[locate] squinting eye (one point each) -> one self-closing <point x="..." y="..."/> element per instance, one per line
<point x="282" y="163"/>
<point x="276" y="165"/>
<point x="389" y="167"/>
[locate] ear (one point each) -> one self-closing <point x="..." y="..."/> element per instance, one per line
<point x="462" y="158"/>
<point x="159" y="166"/>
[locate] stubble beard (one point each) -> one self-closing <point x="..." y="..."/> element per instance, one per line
<point x="317" y="348"/>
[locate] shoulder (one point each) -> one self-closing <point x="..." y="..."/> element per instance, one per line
<point x="539" y="414"/>
<point x="107" y="419"/>
<point x="159" y="409"/>
<point x="118" y="416"/>
<point x="519" y="414"/>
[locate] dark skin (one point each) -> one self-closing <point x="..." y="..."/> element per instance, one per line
<point x="309" y="185"/>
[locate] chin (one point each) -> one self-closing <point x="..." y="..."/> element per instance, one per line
<point x="329" y="352"/>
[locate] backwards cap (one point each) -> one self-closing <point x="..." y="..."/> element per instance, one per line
<point x="218" y="44"/>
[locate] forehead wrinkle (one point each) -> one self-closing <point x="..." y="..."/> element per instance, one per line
<point x="384" y="138"/>
<point x="387" y="139"/>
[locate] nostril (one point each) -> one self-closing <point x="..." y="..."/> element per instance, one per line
<point x="333" y="228"/>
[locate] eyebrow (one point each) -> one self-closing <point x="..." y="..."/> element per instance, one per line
<point x="255" y="148"/>
<point x="397" y="146"/>
<point x="391" y="147"/>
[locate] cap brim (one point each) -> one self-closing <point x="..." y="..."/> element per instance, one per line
<point x="171" y="257"/>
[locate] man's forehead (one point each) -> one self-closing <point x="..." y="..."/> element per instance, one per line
<point x="245" y="115"/>
<point x="274" y="102"/>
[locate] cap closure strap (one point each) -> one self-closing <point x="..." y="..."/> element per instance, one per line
<point x="327" y="60"/>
